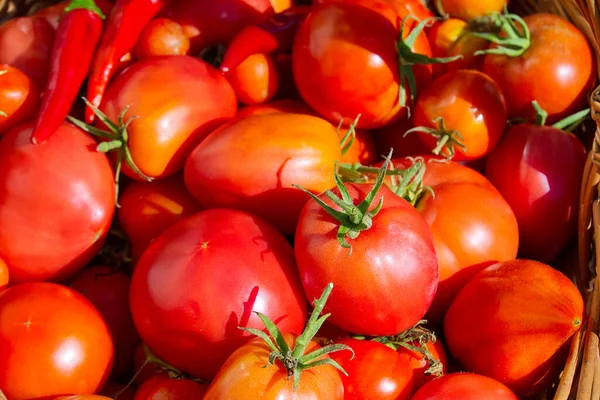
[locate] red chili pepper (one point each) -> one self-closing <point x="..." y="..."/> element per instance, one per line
<point x="76" y="38"/>
<point x="275" y="34"/>
<point x="125" y="24"/>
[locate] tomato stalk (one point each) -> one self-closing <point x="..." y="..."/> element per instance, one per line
<point x="567" y="124"/>
<point x="508" y="31"/>
<point x="294" y="360"/>
<point x="350" y="136"/>
<point x="446" y="138"/>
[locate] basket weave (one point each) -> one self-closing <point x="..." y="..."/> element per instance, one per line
<point x="580" y="379"/>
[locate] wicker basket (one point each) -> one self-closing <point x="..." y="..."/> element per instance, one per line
<point x="580" y="379"/>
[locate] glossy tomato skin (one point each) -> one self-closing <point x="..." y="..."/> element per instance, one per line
<point x="470" y="103"/>
<point x="244" y="376"/>
<point x="345" y="62"/>
<point x="252" y="163"/>
<point x="56" y="216"/>
<point x="108" y="291"/>
<point x="539" y="310"/>
<point x="178" y="100"/>
<point x="19" y="97"/>
<point x="148" y="208"/>
<point x="255" y="80"/>
<point x="375" y="372"/>
<point x="538" y="171"/>
<point x="161" y="387"/>
<point x="557" y="70"/>
<point x="54" y="334"/>
<point x="286" y="105"/>
<point x="4" y="278"/>
<point x="203" y="277"/>
<point x="464" y="386"/>
<point x="26" y="44"/>
<point x="388" y="282"/>
<point x="162" y="37"/>
<point x="419" y="364"/>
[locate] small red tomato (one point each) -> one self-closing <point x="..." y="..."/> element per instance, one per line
<point x="19" y="97"/>
<point x="419" y="364"/>
<point x="374" y="372"/>
<point x="162" y="37"/>
<point x="163" y="388"/>
<point x="4" y="278"/>
<point x="462" y="386"/>
<point x="255" y="80"/>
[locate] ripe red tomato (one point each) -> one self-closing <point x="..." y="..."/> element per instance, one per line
<point x="463" y="386"/>
<point x="255" y="80"/>
<point x="54" y="238"/>
<point x="210" y="22"/>
<point x="3" y="275"/>
<point x="287" y="105"/>
<point x="245" y="376"/>
<point x="538" y="309"/>
<point x="252" y="163"/>
<point x="374" y="372"/>
<point x="387" y="283"/>
<point x="108" y="291"/>
<point x="54" y="334"/>
<point x="149" y="208"/>
<point x="345" y="62"/>
<point x="26" y="44"/>
<point x="538" y="170"/>
<point x="470" y="103"/>
<point x="178" y="100"/>
<point x="186" y="301"/>
<point x="165" y="388"/>
<point x="419" y="364"/>
<point x="19" y="98"/>
<point x="162" y="37"/>
<point x="557" y="70"/>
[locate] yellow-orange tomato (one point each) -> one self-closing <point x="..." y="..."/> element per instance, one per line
<point x="255" y="80"/>
<point x="19" y="97"/>
<point x="469" y="9"/>
<point x="162" y="37"/>
<point x="3" y="275"/>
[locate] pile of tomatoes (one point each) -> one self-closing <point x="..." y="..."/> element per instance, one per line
<point x="337" y="199"/>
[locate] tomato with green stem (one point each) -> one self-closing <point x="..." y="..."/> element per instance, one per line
<point x="464" y="386"/>
<point x="19" y="97"/>
<point x="262" y="368"/>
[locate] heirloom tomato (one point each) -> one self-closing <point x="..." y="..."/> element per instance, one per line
<point x="162" y="37"/>
<point x="464" y="386"/>
<point x="19" y="97"/>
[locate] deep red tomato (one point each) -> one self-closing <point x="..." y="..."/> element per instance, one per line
<point x="387" y="283"/>
<point x="19" y="98"/>
<point x="469" y="9"/>
<point x="245" y="376"/>
<point x="538" y="170"/>
<point x="375" y="372"/>
<point x="54" y="334"/>
<point x="165" y="388"/>
<point x="539" y="310"/>
<point x="108" y="291"/>
<point x="26" y="44"/>
<point x="345" y="62"/>
<point x="419" y="364"/>
<point x="470" y="103"/>
<point x="3" y="275"/>
<point x="463" y="386"/>
<point x="162" y="37"/>
<point x="557" y="70"/>
<point x="203" y="277"/>
<point x="54" y="238"/>
<point x="148" y="208"/>
<point x="255" y="80"/>
<point x="210" y="22"/>
<point x="178" y="100"/>
<point x="252" y="163"/>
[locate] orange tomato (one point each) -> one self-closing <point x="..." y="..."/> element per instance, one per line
<point x="469" y="9"/>
<point x="255" y="80"/>
<point x="19" y="97"/>
<point x="162" y="37"/>
<point x="3" y="275"/>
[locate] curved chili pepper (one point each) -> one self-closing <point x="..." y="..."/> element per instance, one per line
<point x="275" y="34"/>
<point x="125" y="24"/>
<point x="76" y="38"/>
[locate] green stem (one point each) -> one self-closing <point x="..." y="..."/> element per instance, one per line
<point x="89" y="5"/>
<point x="508" y="31"/>
<point x="572" y="121"/>
<point x="350" y="135"/>
<point x="541" y="115"/>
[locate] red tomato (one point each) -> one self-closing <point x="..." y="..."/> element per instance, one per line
<point x="144" y="370"/>
<point x="165" y="388"/>
<point x="19" y="98"/>
<point x="415" y="8"/>
<point x="148" y="208"/>
<point x="557" y="70"/>
<point x="245" y="376"/>
<point x="538" y="170"/>
<point x="26" y="44"/>
<point x="539" y="310"/>
<point x="374" y="372"/>
<point x="54" y="334"/>
<point x="186" y="302"/>
<point x="162" y="37"/>
<point x="53" y="238"/>
<point x="3" y="275"/>
<point x="392" y="137"/>
<point x="83" y="397"/>
<point x="210" y="22"/>
<point x="255" y="80"/>
<point x="470" y="103"/>
<point x="462" y="386"/>
<point x="392" y="263"/>
<point x="419" y="364"/>
<point x="178" y="100"/>
<point x="252" y="163"/>
<point x="345" y="62"/>
<point x="108" y="291"/>
<point x="287" y="105"/>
